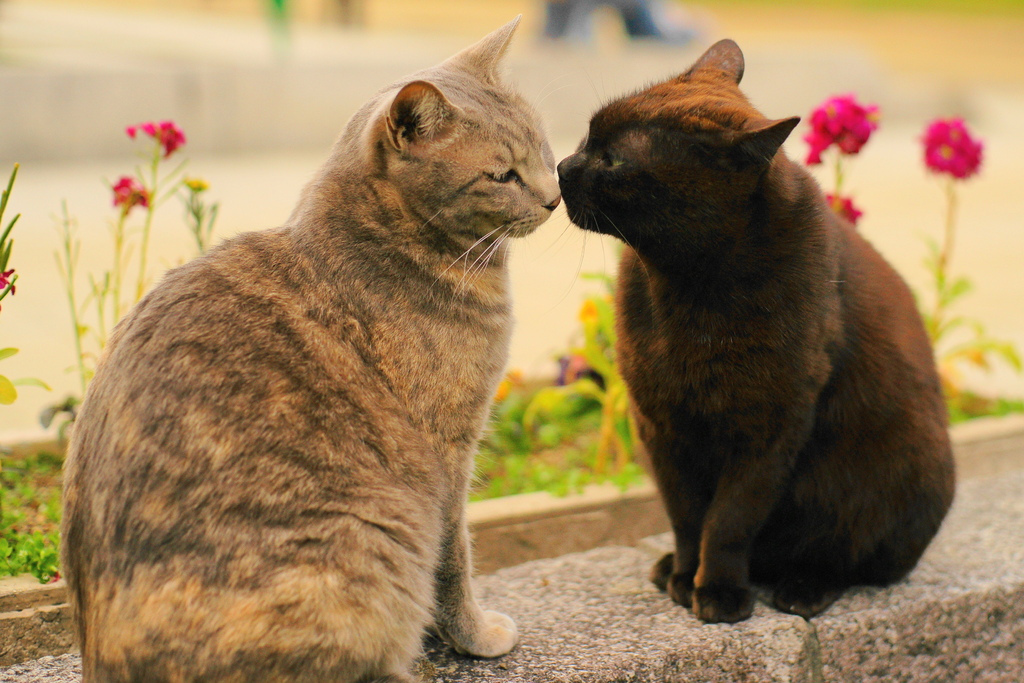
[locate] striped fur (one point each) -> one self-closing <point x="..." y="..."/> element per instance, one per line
<point x="268" y="476"/>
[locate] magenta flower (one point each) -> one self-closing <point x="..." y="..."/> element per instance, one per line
<point x="845" y="207"/>
<point x="129" y="193"/>
<point x="6" y="280"/>
<point x="843" y="122"/>
<point x="167" y="133"/>
<point x="950" y="148"/>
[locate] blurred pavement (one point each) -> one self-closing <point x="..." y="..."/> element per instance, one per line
<point x="71" y="77"/>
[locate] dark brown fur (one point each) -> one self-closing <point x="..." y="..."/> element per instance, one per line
<point x="783" y="384"/>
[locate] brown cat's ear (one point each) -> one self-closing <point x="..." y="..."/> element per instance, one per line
<point x="725" y="56"/>
<point x="484" y="57"/>
<point x="761" y="140"/>
<point x="419" y="113"/>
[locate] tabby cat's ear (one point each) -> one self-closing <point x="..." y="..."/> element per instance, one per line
<point x="760" y="141"/>
<point x="419" y="113"/>
<point x="725" y="56"/>
<point x="484" y="57"/>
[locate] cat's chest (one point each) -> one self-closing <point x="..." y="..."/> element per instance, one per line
<point x="678" y="358"/>
<point x="445" y="364"/>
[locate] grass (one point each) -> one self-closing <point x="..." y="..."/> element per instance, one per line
<point x="559" y="457"/>
<point x="968" y="406"/>
<point x="30" y="516"/>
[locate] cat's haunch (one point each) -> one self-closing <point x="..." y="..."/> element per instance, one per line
<point x="782" y="381"/>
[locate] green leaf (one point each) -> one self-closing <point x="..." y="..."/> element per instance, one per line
<point x="7" y="353"/>
<point x="8" y="394"/>
<point x="32" y="382"/>
<point x="954" y="291"/>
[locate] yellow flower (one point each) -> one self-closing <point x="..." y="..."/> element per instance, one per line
<point x="196" y="184"/>
<point x="513" y="378"/>
<point x="588" y="313"/>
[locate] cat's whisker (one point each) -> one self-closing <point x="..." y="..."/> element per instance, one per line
<point x="545" y="96"/>
<point x="565" y="232"/>
<point x="427" y="222"/>
<point x="469" y="270"/>
<point x="646" y="272"/>
<point x="479" y="268"/>
<point x="465" y="254"/>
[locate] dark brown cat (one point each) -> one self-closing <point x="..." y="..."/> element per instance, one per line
<point x="781" y="377"/>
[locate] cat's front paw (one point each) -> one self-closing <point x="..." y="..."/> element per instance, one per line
<point x="495" y="636"/>
<point x="804" y="596"/>
<point x="678" y="586"/>
<point x="726" y="603"/>
<point x="661" y="572"/>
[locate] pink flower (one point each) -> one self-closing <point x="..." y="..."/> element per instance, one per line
<point x="840" y="121"/>
<point x="845" y="207"/>
<point x="950" y="148"/>
<point x="166" y="132"/>
<point x="5" y="280"/>
<point x="129" y="193"/>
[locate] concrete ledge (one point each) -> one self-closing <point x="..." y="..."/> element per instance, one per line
<point x="508" y="531"/>
<point x="959" y="616"/>
<point x="516" y="529"/>
<point x="594" y="617"/>
<point x="35" y="632"/>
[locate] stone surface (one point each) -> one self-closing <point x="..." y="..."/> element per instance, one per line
<point x="594" y="617"/>
<point x="61" y="669"/>
<point x="31" y="633"/>
<point x="22" y="592"/>
<point x="960" y="614"/>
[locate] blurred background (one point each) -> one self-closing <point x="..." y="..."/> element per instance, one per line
<point x="261" y="88"/>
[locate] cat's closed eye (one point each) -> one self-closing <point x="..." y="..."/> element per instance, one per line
<point x="612" y="159"/>
<point x="508" y="176"/>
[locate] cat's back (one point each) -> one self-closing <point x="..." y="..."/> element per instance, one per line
<point x="237" y="459"/>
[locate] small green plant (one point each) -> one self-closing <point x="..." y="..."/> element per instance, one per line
<point x="578" y="431"/>
<point x="953" y="153"/>
<point x="8" y="390"/>
<point x="604" y="385"/>
<point x="29" y="516"/>
<point x="109" y="295"/>
<point x="199" y="217"/>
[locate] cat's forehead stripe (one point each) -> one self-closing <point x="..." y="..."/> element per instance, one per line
<point x="688" y="106"/>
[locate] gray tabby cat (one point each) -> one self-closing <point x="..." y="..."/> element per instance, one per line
<point x="267" y="480"/>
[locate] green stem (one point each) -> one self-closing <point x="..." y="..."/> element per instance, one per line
<point x="154" y="166"/>
<point x="68" y="271"/>
<point x="947" y="244"/>
<point x="118" y="267"/>
<point x="945" y="255"/>
<point x="839" y="174"/>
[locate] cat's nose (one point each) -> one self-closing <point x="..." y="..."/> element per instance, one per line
<point x="569" y="165"/>
<point x="554" y="205"/>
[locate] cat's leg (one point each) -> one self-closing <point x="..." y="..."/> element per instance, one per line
<point x="674" y="572"/>
<point x="747" y="491"/>
<point x="685" y="505"/>
<point x="458" y="618"/>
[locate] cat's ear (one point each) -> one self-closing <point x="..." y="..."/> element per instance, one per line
<point x="484" y="57"/>
<point x="725" y="56"/>
<point x="419" y="113"/>
<point x="761" y="140"/>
